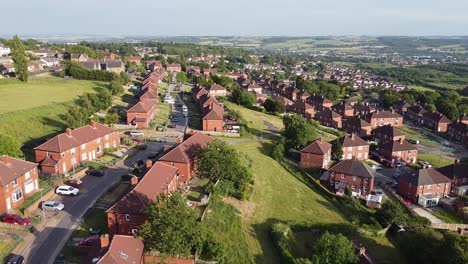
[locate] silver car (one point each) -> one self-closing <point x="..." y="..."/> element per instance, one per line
<point x="52" y="206"/>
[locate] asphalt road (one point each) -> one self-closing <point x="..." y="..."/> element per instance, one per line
<point x="60" y="225"/>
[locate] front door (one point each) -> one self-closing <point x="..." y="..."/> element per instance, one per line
<point x="8" y="203"/>
<point x="90" y="156"/>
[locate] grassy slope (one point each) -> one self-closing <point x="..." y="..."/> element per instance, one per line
<point x="41" y="91"/>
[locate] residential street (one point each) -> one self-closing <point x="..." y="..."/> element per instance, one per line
<point x="60" y="225"/>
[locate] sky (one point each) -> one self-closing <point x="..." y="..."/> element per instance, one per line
<point x="235" y="17"/>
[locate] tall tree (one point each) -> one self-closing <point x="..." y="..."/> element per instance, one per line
<point x="334" y="249"/>
<point x="298" y="131"/>
<point x="337" y="150"/>
<point x="10" y="146"/>
<point x="19" y="58"/>
<point x="172" y="227"/>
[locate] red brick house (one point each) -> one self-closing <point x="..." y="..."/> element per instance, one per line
<point x="343" y="109"/>
<point x="142" y="113"/>
<point x="457" y="172"/>
<point x="122" y="250"/>
<point x="175" y="67"/>
<point x="134" y="59"/>
<point x="213" y="120"/>
<point x="354" y="147"/>
<point x="254" y="87"/>
<point x="399" y="150"/>
<point x="319" y="102"/>
<point x="356" y="125"/>
<point x="458" y="131"/>
<point x="435" y="121"/>
<point x="354" y="175"/>
<point x="415" y="112"/>
<point x="402" y="107"/>
<point x="127" y="215"/>
<point x="303" y="109"/>
<point x="363" y="109"/>
<point x="316" y="155"/>
<point x="382" y="118"/>
<point x="67" y="150"/>
<point x="283" y="100"/>
<point x="18" y="180"/>
<point x="184" y="156"/>
<point x="217" y="90"/>
<point x="387" y="133"/>
<point x="328" y="118"/>
<point x="425" y="187"/>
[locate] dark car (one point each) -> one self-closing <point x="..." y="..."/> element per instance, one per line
<point x="95" y="172"/>
<point x="388" y="163"/>
<point x="89" y="241"/>
<point x="138" y="164"/>
<point x="171" y="126"/>
<point x="15" y="259"/>
<point x="153" y="155"/>
<point x="175" y="119"/>
<point x="16" y="219"/>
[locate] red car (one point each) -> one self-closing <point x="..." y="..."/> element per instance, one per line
<point x="89" y="241"/>
<point x="74" y="183"/>
<point x="388" y="163"/>
<point x="16" y="219"/>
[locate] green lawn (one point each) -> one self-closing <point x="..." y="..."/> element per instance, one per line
<point x="42" y="91"/>
<point x="96" y="219"/>
<point x="194" y="113"/>
<point x="413" y="134"/>
<point x="163" y="113"/>
<point x="255" y="119"/>
<point x="279" y="196"/>
<point x="448" y="217"/>
<point x="435" y="160"/>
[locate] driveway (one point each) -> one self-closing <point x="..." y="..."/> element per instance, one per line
<point x="60" y="225"/>
<point x="422" y="212"/>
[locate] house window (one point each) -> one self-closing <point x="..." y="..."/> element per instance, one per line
<point x="27" y="174"/>
<point x="438" y="186"/>
<point x="6" y="188"/>
<point x="342" y="176"/>
<point x="350" y="156"/>
<point x="429" y="187"/>
<point x="354" y="178"/>
<point x="15" y="182"/>
<point x="365" y="189"/>
<point x="360" y="147"/>
<point x="353" y="186"/>
<point x="99" y="149"/>
<point x="106" y="137"/>
<point x="72" y="151"/>
<point x="98" y="140"/>
<point x="127" y="217"/>
<point x="134" y="231"/>
<point x="17" y="195"/>
<point x="83" y="156"/>
<point x="83" y="146"/>
<point x="62" y="154"/>
<point x="420" y="187"/>
<point x="359" y="155"/>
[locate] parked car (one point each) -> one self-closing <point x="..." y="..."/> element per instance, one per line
<point x="171" y="126"/>
<point x="67" y="190"/>
<point x="400" y="164"/>
<point x="74" y="183"/>
<point x="135" y="133"/>
<point x="413" y="141"/>
<point x="52" y="206"/>
<point x="95" y="172"/>
<point x="15" y="259"/>
<point x="388" y="163"/>
<point x="175" y="119"/>
<point x="138" y="164"/>
<point x="153" y="155"/>
<point x="16" y="220"/>
<point x="89" y="241"/>
<point x="138" y="141"/>
<point x="425" y="164"/>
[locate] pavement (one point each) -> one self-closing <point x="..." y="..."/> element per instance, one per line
<point x="424" y="213"/>
<point x="49" y="237"/>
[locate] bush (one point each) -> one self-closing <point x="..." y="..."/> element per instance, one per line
<point x="279" y="234"/>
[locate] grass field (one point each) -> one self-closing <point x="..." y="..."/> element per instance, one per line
<point x="435" y="160"/>
<point x="41" y="91"/>
<point x="413" y="134"/>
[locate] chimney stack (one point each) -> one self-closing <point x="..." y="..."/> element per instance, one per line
<point x="93" y="123"/>
<point x="353" y="136"/>
<point x="362" y="251"/>
<point x="68" y="131"/>
<point x="5" y="159"/>
<point x="456" y="161"/>
<point x="400" y="140"/>
<point x="133" y="180"/>
<point x="149" y="163"/>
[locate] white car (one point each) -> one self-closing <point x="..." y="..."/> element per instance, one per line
<point x="67" y="190"/>
<point x="136" y="133"/>
<point x="52" y="206"/>
<point x="425" y="164"/>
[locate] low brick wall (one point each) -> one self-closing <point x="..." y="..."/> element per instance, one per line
<point x="169" y="260"/>
<point x="14" y="227"/>
<point x="223" y="134"/>
<point x="29" y="212"/>
<point x="453" y="227"/>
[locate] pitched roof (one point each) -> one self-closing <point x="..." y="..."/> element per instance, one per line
<point x="399" y="145"/>
<point x="283" y="100"/>
<point x="353" y="167"/>
<point x="217" y="87"/>
<point x="357" y="122"/>
<point x="388" y="130"/>
<point x="319" y="99"/>
<point x="457" y="170"/>
<point x="187" y="151"/>
<point x="328" y="113"/>
<point x="342" y="106"/>
<point x="214" y="114"/>
<point x="319" y="146"/>
<point x="425" y="177"/>
<point x="352" y="141"/>
<point x="147" y="190"/>
<point x="12" y="168"/>
<point x="123" y="250"/>
<point x="85" y="134"/>
<point x="382" y="114"/>
<point x="437" y="117"/>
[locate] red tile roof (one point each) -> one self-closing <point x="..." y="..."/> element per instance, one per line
<point x="187" y="151"/>
<point x="85" y="134"/>
<point x="147" y="190"/>
<point x="123" y="250"/>
<point x="319" y="146"/>
<point x="12" y="168"/>
<point x="352" y="141"/>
